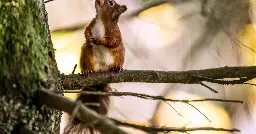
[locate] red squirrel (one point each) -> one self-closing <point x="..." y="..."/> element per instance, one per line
<point x="103" y="51"/>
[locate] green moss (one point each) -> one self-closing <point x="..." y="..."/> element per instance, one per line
<point x="23" y="46"/>
<point x="23" y="56"/>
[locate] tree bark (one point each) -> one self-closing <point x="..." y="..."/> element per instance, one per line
<point x="27" y="64"/>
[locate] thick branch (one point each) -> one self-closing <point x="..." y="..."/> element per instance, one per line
<point x="76" y="81"/>
<point x="103" y="124"/>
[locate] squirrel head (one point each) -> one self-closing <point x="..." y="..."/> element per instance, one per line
<point x="109" y="9"/>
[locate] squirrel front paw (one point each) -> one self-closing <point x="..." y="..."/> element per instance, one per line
<point x="95" y="41"/>
<point x="117" y="69"/>
<point x="100" y="41"/>
<point x="86" y="73"/>
<point x="89" y="40"/>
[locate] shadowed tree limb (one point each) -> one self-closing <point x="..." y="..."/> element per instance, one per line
<point x="23" y="129"/>
<point x="214" y="75"/>
<point x="103" y="124"/>
<point x="100" y="122"/>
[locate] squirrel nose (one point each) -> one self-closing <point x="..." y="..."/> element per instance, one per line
<point x="122" y="9"/>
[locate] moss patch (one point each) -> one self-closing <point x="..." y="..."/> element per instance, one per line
<point x="23" y="46"/>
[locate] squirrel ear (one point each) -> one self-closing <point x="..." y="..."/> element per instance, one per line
<point x="101" y="2"/>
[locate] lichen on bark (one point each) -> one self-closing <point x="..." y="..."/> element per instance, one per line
<point x="24" y="67"/>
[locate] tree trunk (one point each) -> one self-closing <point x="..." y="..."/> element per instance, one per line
<point x="27" y="64"/>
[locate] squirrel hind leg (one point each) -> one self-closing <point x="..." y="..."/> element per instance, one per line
<point x="86" y="60"/>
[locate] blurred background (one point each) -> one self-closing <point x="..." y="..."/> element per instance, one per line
<point x="174" y="35"/>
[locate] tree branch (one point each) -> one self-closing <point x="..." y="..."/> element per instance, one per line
<point x="76" y="81"/>
<point x="103" y="124"/>
<point x="74" y="69"/>
<point x="146" y="96"/>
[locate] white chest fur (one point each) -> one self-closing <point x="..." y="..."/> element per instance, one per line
<point x="98" y="30"/>
<point x="102" y="57"/>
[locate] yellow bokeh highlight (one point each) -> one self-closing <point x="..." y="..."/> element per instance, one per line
<point x="67" y="45"/>
<point x="248" y="38"/>
<point x="161" y="15"/>
<point x="166" y="116"/>
<point x="163" y="21"/>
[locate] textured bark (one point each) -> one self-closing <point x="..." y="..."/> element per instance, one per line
<point x="77" y="81"/>
<point x="27" y="65"/>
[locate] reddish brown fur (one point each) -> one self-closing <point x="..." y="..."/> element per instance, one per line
<point x="76" y="126"/>
<point x="113" y="41"/>
<point x="86" y="59"/>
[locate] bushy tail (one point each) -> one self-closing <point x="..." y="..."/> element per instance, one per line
<point x="77" y="127"/>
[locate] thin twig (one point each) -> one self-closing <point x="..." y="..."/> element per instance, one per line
<point x="208" y="87"/>
<point x="146" y="96"/>
<point x="173" y="108"/>
<point x="74" y="69"/>
<point x="199" y="111"/>
<point x="232" y="37"/>
<point x="151" y="129"/>
<point x="241" y="80"/>
<point x="48" y="1"/>
<point x="249" y="84"/>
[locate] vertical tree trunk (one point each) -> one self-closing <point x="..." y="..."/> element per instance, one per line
<point x="27" y="64"/>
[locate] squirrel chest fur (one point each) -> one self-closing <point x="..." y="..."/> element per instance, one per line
<point x="101" y="54"/>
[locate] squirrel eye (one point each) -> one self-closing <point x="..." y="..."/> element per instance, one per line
<point x="111" y="3"/>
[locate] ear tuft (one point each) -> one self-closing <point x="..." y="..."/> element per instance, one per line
<point x="101" y="2"/>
